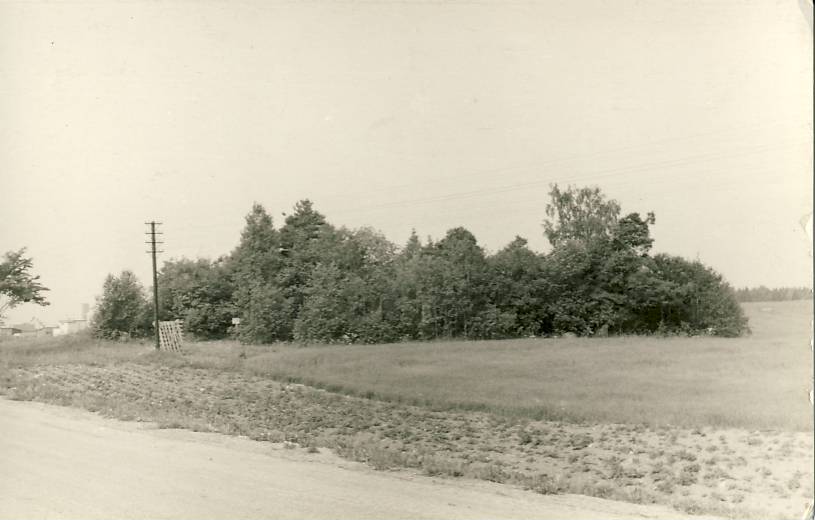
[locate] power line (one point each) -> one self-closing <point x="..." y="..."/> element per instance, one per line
<point x="153" y="252"/>
<point x="737" y="135"/>
<point x="590" y="177"/>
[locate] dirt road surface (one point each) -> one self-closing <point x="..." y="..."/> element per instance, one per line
<point x="65" y="463"/>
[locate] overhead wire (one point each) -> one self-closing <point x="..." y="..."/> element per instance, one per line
<point x="740" y="130"/>
<point x="589" y="177"/>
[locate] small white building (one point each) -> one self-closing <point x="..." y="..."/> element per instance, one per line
<point x="70" y="327"/>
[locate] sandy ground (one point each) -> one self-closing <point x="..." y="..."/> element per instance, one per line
<point x="65" y="463"/>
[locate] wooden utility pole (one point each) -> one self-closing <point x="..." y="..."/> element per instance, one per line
<point x="153" y="251"/>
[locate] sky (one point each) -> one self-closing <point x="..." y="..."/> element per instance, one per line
<point x="400" y="115"/>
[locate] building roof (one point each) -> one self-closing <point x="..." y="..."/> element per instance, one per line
<point x="24" y="327"/>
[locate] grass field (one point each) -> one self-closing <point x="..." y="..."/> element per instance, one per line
<point x="703" y="424"/>
<point x="760" y="381"/>
<point x="755" y="382"/>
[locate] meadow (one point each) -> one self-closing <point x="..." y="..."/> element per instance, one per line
<point x="703" y="424"/>
<point x="759" y="381"/>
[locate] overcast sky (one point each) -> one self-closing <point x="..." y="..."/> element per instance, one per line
<point x="400" y="115"/>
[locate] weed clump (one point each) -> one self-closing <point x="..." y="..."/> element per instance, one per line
<point x="688" y="474"/>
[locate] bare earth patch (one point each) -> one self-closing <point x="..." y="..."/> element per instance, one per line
<point x="732" y="472"/>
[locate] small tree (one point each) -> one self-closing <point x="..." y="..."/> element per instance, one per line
<point x="452" y="278"/>
<point x="515" y="288"/>
<point x="17" y="284"/>
<point x="267" y="316"/>
<point x="123" y="309"/>
<point x="581" y="214"/>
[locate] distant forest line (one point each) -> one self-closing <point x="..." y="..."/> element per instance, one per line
<point x="778" y="294"/>
<point x="310" y="281"/>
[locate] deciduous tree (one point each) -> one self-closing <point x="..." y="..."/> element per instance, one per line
<point x="582" y="214"/>
<point x="122" y="310"/>
<point x="198" y="292"/>
<point x="17" y="283"/>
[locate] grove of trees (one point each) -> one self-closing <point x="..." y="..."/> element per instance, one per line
<point x="310" y="281"/>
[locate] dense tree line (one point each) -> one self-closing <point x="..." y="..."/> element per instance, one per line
<point x="310" y="281"/>
<point x="764" y="294"/>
